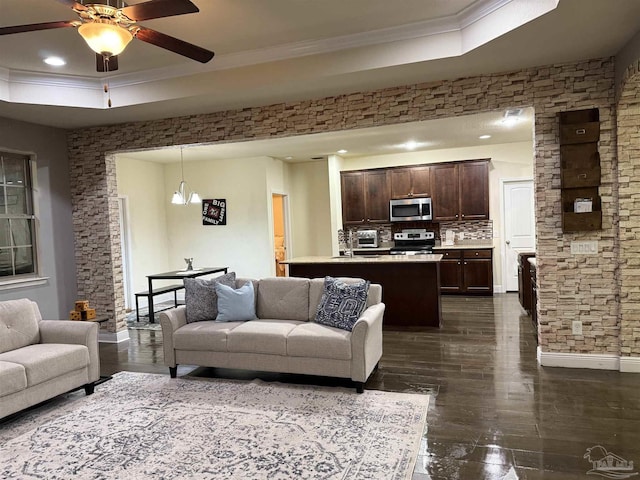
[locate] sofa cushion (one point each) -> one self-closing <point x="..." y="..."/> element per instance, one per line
<point x="341" y="304"/>
<point x="13" y="378"/>
<point x="284" y="298"/>
<point x="316" y="287"/>
<point x="319" y="341"/>
<point x="18" y="324"/>
<point x="204" y="336"/>
<point x="201" y="299"/>
<point x="45" y="361"/>
<point x="236" y="304"/>
<point x="261" y="336"/>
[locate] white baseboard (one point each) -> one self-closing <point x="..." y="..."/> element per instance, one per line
<point x="579" y="360"/>
<point x="110" y="337"/>
<point x="498" y="289"/>
<point x="630" y="364"/>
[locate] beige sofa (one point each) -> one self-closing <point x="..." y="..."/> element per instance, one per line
<point x="283" y="339"/>
<point x="40" y="359"/>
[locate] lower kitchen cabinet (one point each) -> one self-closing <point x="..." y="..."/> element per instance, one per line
<point x="466" y="271"/>
<point x="524" y="280"/>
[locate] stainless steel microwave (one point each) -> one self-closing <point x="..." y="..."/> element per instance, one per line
<point x="410" y="210"/>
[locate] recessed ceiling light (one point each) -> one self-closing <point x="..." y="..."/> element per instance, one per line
<point x="342" y="151"/>
<point x="484" y="137"/>
<point x="411" y="145"/>
<point x="55" y="61"/>
<point x="288" y="158"/>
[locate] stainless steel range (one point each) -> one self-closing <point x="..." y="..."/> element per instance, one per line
<point x="413" y="241"/>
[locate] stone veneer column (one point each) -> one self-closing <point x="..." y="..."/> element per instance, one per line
<point x="629" y="179"/>
<point x="570" y="287"/>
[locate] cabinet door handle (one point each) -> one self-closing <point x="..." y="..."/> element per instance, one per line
<point x="463" y="215"/>
<point x="477" y="254"/>
<point x="458" y="263"/>
<point x="581" y="131"/>
<point x="456" y="215"/>
<point x="465" y="263"/>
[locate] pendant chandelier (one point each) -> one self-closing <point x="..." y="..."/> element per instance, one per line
<point x="183" y="196"/>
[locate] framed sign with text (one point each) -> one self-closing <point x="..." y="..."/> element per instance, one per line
<point x="214" y="211"/>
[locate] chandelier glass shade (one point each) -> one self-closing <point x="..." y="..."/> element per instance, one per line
<point x="183" y="196"/>
<point x="105" y="38"/>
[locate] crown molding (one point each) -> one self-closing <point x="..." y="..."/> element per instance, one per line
<point x="445" y="34"/>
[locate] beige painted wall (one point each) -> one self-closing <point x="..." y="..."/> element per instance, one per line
<point x="143" y="185"/>
<point x="162" y="234"/>
<point x="309" y="208"/>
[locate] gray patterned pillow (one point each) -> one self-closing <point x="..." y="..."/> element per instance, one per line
<point x="341" y="304"/>
<point x="200" y="296"/>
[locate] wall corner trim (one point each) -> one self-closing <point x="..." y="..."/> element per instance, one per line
<point x="110" y="337"/>
<point x="581" y="360"/>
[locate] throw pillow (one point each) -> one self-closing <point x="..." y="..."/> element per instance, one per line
<point x="235" y="305"/>
<point x="200" y="296"/>
<point x="341" y="304"/>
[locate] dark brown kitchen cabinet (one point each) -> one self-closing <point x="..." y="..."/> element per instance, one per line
<point x="446" y="195"/>
<point x="460" y="191"/>
<point x="410" y="182"/>
<point x="468" y="272"/>
<point x="524" y="280"/>
<point x="474" y="190"/>
<point x="365" y="197"/>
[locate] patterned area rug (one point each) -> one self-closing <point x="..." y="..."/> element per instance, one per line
<point x="151" y="426"/>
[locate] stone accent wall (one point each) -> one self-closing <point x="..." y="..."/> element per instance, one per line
<point x="629" y="188"/>
<point x="570" y="287"/>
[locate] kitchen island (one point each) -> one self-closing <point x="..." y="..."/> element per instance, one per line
<point x="410" y="283"/>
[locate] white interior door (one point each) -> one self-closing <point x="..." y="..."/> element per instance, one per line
<point x="519" y="227"/>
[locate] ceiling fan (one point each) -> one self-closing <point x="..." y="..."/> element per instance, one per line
<point x="108" y="27"/>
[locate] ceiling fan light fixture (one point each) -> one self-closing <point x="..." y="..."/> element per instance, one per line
<point x="105" y="38"/>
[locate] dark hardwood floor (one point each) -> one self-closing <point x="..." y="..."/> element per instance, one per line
<point x="492" y="406"/>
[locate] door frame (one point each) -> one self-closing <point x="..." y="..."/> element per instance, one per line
<point x="503" y="232"/>
<point x="125" y="255"/>
<point x="287" y="226"/>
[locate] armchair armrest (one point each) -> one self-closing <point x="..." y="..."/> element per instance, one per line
<point x="77" y="333"/>
<point x="366" y="342"/>
<point x="171" y="320"/>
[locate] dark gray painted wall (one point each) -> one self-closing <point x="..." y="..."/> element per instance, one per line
<point x="55" y="298"/>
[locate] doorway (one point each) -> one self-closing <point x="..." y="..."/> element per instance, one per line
<point x="279" y="233"/>
<point x="519" y="227"/>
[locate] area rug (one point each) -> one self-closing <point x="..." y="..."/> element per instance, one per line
<point x="142" y="426"/>
<point x="143" y="323"/>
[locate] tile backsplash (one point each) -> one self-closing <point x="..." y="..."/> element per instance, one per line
<point x="472" y="230"/>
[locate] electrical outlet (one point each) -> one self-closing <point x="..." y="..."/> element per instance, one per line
<point x="576" y="327"/>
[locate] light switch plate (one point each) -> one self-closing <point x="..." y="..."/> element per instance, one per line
<point x="576" y="327"/>
<point x="584" y="247"/>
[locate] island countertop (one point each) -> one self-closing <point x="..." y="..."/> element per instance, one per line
<point x="404" y="259"/>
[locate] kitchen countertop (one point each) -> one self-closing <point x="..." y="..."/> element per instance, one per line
<point x="532" y="261"/>
<point x="464" y="245"/>
<point x="432" y="258"/>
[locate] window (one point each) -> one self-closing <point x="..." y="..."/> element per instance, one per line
<point x="17" y="219"/>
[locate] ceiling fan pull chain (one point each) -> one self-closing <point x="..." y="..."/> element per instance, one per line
<point x="105" y="60"/>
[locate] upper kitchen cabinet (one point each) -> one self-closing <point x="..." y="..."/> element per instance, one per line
<point x="365" y="197"/>
<point x="445" y="192"/>
<point x="409" y="182"/>
<point x="460" y="191"/>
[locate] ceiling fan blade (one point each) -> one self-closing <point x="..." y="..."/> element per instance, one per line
<point x="73" y="4"/>
<point x="159" y="9"/>
<point x="35" y="26"/>
<point x="111" y="63"/>
<point x="174" y="44"/>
